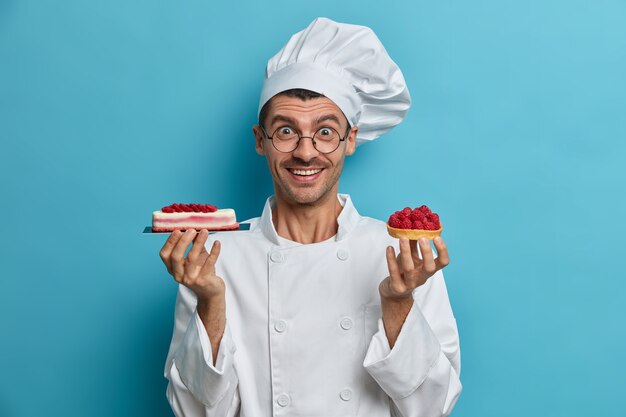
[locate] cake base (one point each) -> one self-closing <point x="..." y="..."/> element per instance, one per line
<point x="414" y="234"/>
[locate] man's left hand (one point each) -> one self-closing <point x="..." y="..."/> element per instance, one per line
<point x="408" y="271"/>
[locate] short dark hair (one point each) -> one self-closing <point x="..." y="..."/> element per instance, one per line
<point x="300" y="93"/>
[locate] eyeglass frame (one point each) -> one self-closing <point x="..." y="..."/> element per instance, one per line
<point x="300" y="137"/>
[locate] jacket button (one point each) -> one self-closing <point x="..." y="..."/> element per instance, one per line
<point x="343" y="254"/>
<point x="276" y="257"/>
<point x="345" y="395"/>
<point x="283" y="400"/>
<point x="280" y="326"/>
<point x="346" y="323"/>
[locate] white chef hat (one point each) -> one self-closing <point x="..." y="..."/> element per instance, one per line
<point x="349" y="65"/>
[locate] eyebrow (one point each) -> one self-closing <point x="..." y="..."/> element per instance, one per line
<point x="331" y="117"/>
<point x="291" y="121"/>
<point x="279" y="118"/>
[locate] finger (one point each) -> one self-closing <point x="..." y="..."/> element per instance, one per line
<point x="406" y="260"/>
<point x="193" y="271"/>
<point x="415" y="255"/>
<point x="442" y="259"/>
<point x="211" y="260"/>
<point x="428" y="260"/>
<point x="198" y="245"/>
<point x="178" y="254"/>
<point x="167" y="248"/>
<point x="394" y="270"/>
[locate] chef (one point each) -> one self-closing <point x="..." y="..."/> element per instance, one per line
<point x="315" y="311"/>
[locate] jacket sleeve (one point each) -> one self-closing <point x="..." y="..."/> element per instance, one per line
<point x="421" y="373"/>
<point x="196" y="387"/>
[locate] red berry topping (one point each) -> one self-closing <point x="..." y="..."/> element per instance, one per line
<point x="189" y="208"/>
<point x="395" y="222"/>
<point x="417" y="215"/>
<point x="420" y="218"/>
<point x="429" y="226"/>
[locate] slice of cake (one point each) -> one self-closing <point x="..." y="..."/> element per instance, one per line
<point x="193" y="216"/>
<point x="414" y="224"/>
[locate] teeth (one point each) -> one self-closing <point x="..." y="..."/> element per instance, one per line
<point x="305" y="171"/>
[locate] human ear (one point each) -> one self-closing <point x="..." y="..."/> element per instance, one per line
<point x="351" y="139"/>
<point x="258" y="139"/>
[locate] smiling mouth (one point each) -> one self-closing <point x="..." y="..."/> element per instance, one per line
<point x="305" y="172"/>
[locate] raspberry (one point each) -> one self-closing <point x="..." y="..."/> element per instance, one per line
<point x="430" y="226"/>
<point x="417" y="216"/>
<point x="395" y="222"/>
<point x="407" y="211"/>
<point x="433" y="217"/>
<point x="417" y="225"/>
<point x="405" y="224"/>
<point x="425" y="210"/>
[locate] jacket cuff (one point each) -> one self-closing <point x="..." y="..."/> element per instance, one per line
<point x="194" y="361"/>
<point x="401" y="370"/>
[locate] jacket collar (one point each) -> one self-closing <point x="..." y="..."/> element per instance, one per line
<point x="347" y="220"/>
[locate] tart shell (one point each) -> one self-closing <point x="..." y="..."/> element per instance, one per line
<point x="414" y="234"/>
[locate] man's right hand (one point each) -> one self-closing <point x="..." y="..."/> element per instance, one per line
<point x="197" y="270"/>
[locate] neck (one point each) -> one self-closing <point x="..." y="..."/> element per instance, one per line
<point x="304" y="223"/>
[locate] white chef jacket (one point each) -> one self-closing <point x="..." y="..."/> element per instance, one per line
<point x="304" y="334"/>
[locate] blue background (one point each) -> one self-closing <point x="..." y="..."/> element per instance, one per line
<point x="111" y="109"/>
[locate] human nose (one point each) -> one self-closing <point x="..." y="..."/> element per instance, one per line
<point x="305" y="149"/>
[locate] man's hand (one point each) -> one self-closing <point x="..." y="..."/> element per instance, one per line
<point x="197" y="270"/>
<point x="407" y="271"/>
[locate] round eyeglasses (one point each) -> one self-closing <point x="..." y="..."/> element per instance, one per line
<point x="325" y="139"/>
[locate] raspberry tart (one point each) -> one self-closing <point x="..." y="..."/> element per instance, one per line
<point x="193" y="216"/>
<point x="414" y="224"/>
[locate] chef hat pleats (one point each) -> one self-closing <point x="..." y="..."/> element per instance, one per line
<point x="349" y="65"/>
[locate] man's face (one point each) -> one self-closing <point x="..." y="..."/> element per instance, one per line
<point x="305" y="175"/>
